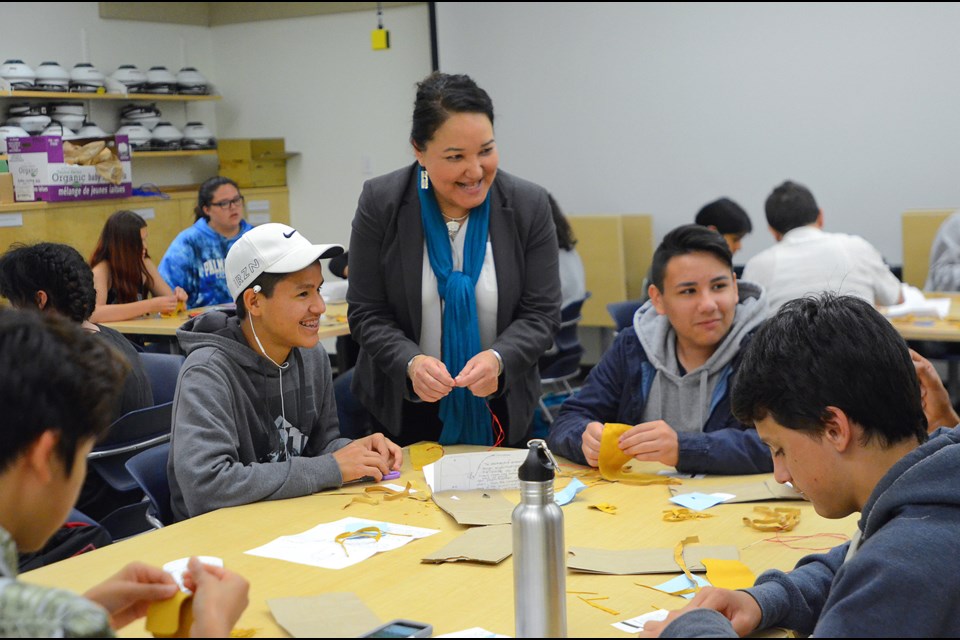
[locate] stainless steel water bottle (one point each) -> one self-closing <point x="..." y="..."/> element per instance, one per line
<point x="539" y="553"/>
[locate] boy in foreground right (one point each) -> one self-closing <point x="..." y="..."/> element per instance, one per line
<point x="832" y="390"/>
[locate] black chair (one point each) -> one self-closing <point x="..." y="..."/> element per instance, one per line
<point x="149" y="469"/>
<point x="622" y="313"/>
<point x="561" y="362"/>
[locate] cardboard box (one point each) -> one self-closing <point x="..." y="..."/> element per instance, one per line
<point x="6" y="188"/>
<point x="40" y="171"/>
<point x="254" y="162"/>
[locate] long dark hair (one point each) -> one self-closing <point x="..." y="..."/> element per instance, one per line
<point x="56" y="269"/>
<point x="565" y="238"/>
<point x="121" y="247"/>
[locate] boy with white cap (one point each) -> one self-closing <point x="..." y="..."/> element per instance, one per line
<point x="254" y="416"/>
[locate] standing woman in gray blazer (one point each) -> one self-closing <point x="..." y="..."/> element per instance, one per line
<point x="454" y="287"/>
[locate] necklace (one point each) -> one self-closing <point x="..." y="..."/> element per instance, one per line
<point x="453" y="224"/>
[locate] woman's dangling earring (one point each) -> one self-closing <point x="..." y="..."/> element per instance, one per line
<point x="424" y="178"/>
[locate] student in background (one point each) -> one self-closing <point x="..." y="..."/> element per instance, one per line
<point x="254" y="416"/>
<point x="830" y="386"/>
<point x="55" y="278"/>
<point x="725" y="217"/>
<point x="58" y="384"/>
<point x="573" y="282"/>
<point x="944" y="272"/>
<point x="125" y="276"/>
<point x="669" y="374"/>
<point x="194" y="260"/>
<point x="728" y="219"/>
<point x="807" y="260"/>
<point x="454" y="288"/>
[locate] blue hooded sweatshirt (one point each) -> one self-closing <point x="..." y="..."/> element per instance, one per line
<point x="638" y="380"/>
<point x="899" y="581"/>
<point x="194" y="261"/>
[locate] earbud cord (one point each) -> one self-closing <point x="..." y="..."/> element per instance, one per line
<point x="281" y="367"/>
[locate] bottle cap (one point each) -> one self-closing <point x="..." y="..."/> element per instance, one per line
<point x="540" y="465"/>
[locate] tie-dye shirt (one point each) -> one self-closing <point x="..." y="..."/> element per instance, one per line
<point x="195" y="260"/>
<point x="33" y="611"/>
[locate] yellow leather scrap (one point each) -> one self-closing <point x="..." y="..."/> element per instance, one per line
<point x="362" y="498"/>
<point x="682" y="513"/>
<point x="170" y="618"/>
<point x="728" y="574"/>
<point x="605" y="507"/>
<point x="243" y="633"/>
<point x="365" y="532"/>
<point x="779" y="519"/>
<point x="593" y="603"/>
<point x="391" y="494"/>
<point x="612" y="459"/>
<point x="678" y="556"/>
<point x="425" y="453"/>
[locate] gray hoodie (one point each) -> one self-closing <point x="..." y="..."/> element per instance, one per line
<point x="685" y="402"/>
<point x="230" y="443"/>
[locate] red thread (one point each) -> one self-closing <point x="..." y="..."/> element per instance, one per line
<point x="498" y="435"/>
<point x="788" y="540"/>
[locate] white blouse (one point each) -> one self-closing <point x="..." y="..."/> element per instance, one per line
<point x="431" y="323"/>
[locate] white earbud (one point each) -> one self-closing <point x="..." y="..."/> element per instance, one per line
<point x="257" y="288"/>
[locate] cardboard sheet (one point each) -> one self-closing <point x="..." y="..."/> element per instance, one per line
<point x="638" y="561"/>
<point x="327" y="615"/>
<point x="478" y="507"/>
<point x="757" y="491"/>
<point x="486" y="545"/>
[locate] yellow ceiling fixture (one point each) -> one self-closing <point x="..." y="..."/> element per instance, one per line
<point x="380" y="37"/>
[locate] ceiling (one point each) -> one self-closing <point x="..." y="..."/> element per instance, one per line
<point x="213" y="14"/>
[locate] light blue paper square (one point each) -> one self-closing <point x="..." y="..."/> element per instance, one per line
<point x="569" y="492"/>
<point x="696" y="501"/>
<point x="680" y="583"/>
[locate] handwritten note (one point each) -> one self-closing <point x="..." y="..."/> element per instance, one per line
<point x="469" y="471"/>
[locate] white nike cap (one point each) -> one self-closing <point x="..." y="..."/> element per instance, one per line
<point x="271" y="248"/>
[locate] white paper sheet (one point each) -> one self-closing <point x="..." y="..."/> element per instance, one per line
<point x="317" y="547"/>
<point x="469" y="471"/>
<point x="915" y="303"/>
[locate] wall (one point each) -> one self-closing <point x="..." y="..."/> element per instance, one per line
<point x="661" y="107"/>
<point x="36" y="32"/>
<point x="316" y="82"/>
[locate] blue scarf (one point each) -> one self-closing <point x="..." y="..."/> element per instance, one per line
<point x="465" y="417"/>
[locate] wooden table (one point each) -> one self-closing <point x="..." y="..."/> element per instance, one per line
<point x="333" y="324"/>
<point x="931" y="328"/>
<point x="452" y="596"/>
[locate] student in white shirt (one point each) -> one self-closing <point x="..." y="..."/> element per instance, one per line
<point x="808" y="260"/>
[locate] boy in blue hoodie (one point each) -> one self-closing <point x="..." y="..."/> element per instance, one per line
<point x="833" y="393"/>
<point x="669" y="375"/>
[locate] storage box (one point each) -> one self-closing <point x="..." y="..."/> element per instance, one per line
<point x="6" y="188"/>
<point x="41" y="172"/>
<point x="254" y="162"/>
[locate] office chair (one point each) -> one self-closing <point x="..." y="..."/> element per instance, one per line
<point x="622" y="313"/>
<point x="162" y="369"/>
<point x="561" y="363"/>
<point x="149" y="469"/>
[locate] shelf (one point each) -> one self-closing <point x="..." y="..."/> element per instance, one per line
<point x="162" y="154"/>
<point x="172" y="154"/>
<point x="74" y="96"/>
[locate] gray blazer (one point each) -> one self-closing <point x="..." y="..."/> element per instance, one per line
<point x="386" y="266"/>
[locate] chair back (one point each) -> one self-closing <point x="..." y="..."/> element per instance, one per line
<point x="162" y="369"/>
<point x="129" y="434"/>
<point x="622" y="312"/>
<point x="565" y="353"/>
<point x="149" y="469"/>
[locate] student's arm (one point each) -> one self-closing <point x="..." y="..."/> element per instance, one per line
<point x="127" y="311"/>
<point x="206" y="452"/>
<point x="734" y="450"/>
<point x="598" y="400"/>
<point x="886" y="288"/>
<point x="795" y="600"/>
<point x="179" y="270"/>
